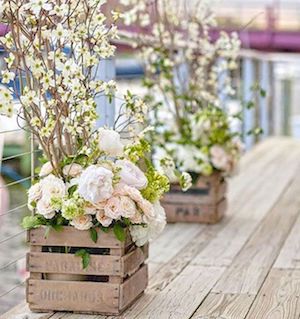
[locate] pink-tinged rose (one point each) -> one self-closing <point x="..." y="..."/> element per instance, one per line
<point x="144" y="205"/>
<point x="110" y="142"/>
<point x="72" y="170"/>
<point x="131" y="175"/>
<point x="120" y="206"/>
<point x="44" y="208"/>
<point x="95" y="184"/>
<point x="83" y="222"/>
<point x="112" y="208"/>
<point x="220" y="159"/>
<point x="104" y="220"/>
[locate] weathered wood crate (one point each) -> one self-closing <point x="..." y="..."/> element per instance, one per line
<point x="114" y="279"/>
<point x="204" y="202"/>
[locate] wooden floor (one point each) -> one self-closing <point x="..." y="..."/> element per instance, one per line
<point x="246" y="267"/>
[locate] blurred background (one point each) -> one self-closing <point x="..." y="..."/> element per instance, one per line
<point x="270" y="56"/>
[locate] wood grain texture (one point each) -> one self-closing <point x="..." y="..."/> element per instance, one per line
<point x="249" y="269"/>
<point x="289" y="257"/>
<point x="69" y="237"/>
<point x="46" y="295"/>
<point x="279" y="297"/>
<point x="70" y="264"/>
<point x="229" y="306"/>
<point x="182" y="297"/>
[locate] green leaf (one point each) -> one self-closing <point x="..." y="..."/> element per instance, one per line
<point x="250" y="105"/>
<point x="72" y="189"/>
<point x="85" y="257"/>
<point x="119" y="232"/>
<point x="80" y="252"/>
<point x="57" y="227"/>
<point x="94" y="234"/>
<point x="104" y="229"/>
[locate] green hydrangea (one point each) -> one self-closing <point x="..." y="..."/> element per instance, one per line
<point x="158" y="184"/>
<point x="35" y="221"/>
<point x="134" y="152"/>
<point x="72" y="208"/>
<point x="56" y="203"/>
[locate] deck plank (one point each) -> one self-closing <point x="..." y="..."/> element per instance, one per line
<point x="183" y="295"/>
<point x="256" y="203"/>
<point x="279" y="297"/>
<point x="289" y="257"/>
<point x="247" y="272"/>
<point x="224" y="306"/>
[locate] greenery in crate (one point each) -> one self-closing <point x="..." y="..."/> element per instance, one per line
<point x="189" y="77"/>
<point x="90" y="178"/>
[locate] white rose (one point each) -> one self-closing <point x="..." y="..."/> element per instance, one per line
<point x="53" y="186"/>
<point x="83" y="222"/>
<point x="72" y="170"/>
<point x="220" y="159"/>
<point x="103" y="219"/>
<point x="34" y="193"/>
<point x="143" y="234"/>
<point x="46" y="169"/>
<point x="131" y="175"/>
<point x="95" y="184"/>
<point x="110" y="142"/>
<point x="44" y="208"/>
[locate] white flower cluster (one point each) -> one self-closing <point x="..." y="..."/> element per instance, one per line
<point x="188" y="74"/>
<point x="103" y="193"/>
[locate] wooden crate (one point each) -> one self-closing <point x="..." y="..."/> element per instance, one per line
<point x="204" y="202"/>
<point x="114" y="279"/>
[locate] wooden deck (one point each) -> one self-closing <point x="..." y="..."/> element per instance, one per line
<point x="246" y="267"/>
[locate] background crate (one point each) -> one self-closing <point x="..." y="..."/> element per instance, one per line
<point x="114" y="279"/>
<point x="204" y="202"/>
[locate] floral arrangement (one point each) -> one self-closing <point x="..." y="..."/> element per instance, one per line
<point x="189" y="78"/>
<point x="90" y="178"/>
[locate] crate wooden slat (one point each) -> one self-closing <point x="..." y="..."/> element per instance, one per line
<point x="114" y="279"/>
<point x="204" y="202"/>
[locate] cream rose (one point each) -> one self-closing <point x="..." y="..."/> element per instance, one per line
<point x="120" y="206"/>
<point x="83" y="222"/>
<point x="110" y="142"/>
<point x="143" y="234"/>
<point x="103" y="219"/>
<point x="144" y="205"/>
<point x="131" y="175"/>
<point x="95" y="184"/>
<point x="46" y="169"/>
<point x="44" y="208"/>
<point x="52" y="186"/>
<point x="72" y="170"/>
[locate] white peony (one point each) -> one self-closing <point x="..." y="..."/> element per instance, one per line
<point x="110" y="142"/>
<point x="95" y="184"/>
<point x="143" y="234"/>
<point x="72" y="170"/>
<point x="45" y="208"/>
<point x="131" y="175"/>
<point x="83" y="222"/>
<point x="46" y="169"/>
<point x="53" y="186"/>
